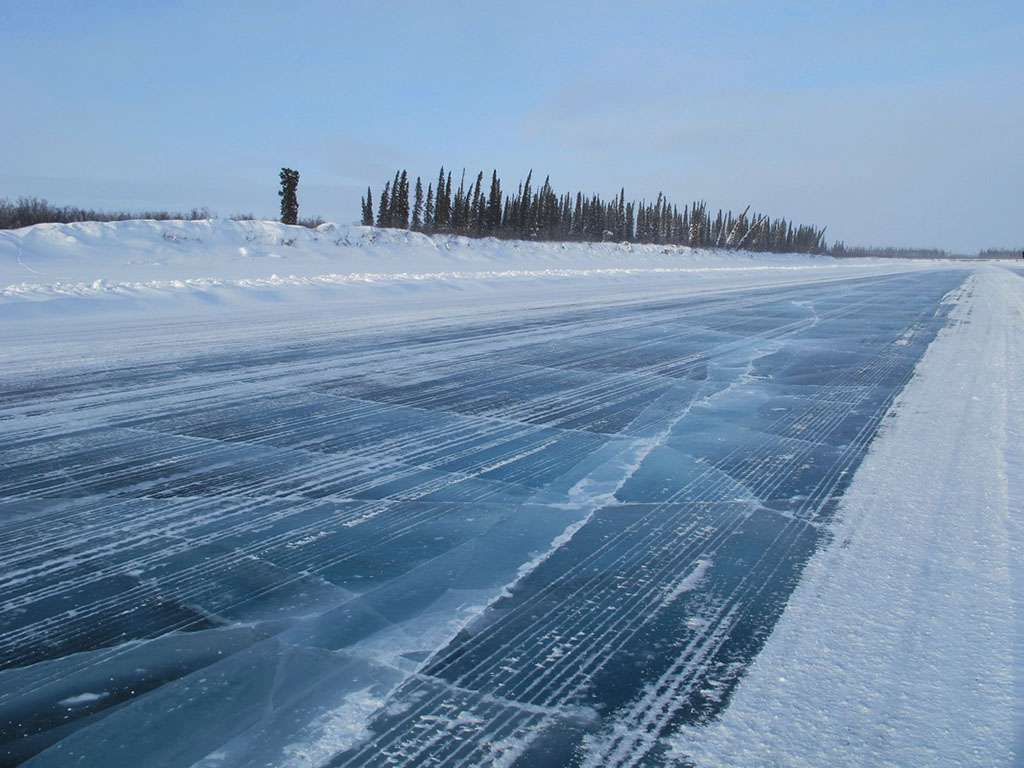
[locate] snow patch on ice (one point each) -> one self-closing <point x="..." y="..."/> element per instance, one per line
<point x="82" y="698"/>
<point x="333" y="732"/>
<point x="688" y="583"/>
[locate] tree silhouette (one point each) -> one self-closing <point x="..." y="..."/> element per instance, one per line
<point x="289" y="199"/>
<point x="542" y="214"/>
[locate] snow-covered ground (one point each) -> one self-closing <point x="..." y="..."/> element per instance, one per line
<point x="49" y="260"/>
<point x="663" y="434"/>
<point x="95" y="293"/>
<point x="152" y="266"/>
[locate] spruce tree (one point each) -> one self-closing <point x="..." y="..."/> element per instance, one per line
<point x="368" y="209"/>
<point x="384" y="211"/>
<point x="576" y="228"/>
<point x="440" y="209"/>
<point x="417" y="207"/>
<point x="524" y="208"/>
<point x="448" y="202"/>
<point x="457" y="217"/>
<point x="289" y="198"/>
<point x="428" y="214"/>
<point x="400" y="202"/>
<point x="543" y="214"/>
<point x="620" y="216"/>
<point x="474" y="221"/>
<point x="393" y="203"/>
<point x="493" y="221"/>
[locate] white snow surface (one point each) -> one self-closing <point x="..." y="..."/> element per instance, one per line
<point x="92" y="294"/>
<point x="225" y="260"/>
<point x="51" y="259"/>
<point x="158" y="265"/>
<point x="902" y="645"/>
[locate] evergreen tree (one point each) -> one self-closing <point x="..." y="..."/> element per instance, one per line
<point x="368" y="209"/>
<point x="439" y="207"/>
<point x="576" y="227"/>
<point x="289" y="197"/>
<point x="493" y="220"/>
<point x="417" y="207"/>
<point x="697" y="226"/>
<point x="384" y="211"/>
<point x="448" y="202"/>
<point x="737" y="229"/>
<point x="443" y="205"/>
<point x="400" y="202"/>
<point x="428" y="214"/>
<point x="524" y="207"/>
<point x="565" y="218"/>
<point x="393" y="205"/>
<point x="620" y="216"/>
<point x="403" y="214"/>
<point x="543" y="214"/>
<point x="459" y="208"/>
<point x="476" y="218"/>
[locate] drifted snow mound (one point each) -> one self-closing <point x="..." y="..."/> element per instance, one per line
<point x="91" y="257"/>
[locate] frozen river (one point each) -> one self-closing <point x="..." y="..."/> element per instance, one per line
<point x="545" y="539"/>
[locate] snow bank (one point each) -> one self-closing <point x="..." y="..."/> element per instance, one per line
<point x="220" y="249"/>
<point x="902" y="643"/>
<point x="92" y="294"/>
<point x="220" y="262"/>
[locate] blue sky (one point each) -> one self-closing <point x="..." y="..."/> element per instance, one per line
<point x="896" y="123"/>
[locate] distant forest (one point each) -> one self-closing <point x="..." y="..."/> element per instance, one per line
<point x="542" y="214"/>
<point x="26" y="211"/>
<point x="531" y="215"/>
<point x="841" y="249"/>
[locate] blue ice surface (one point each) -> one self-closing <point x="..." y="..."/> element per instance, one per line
<point x="237" y="545"/>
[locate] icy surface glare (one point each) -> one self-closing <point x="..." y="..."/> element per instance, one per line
<point x="546" y="541"/>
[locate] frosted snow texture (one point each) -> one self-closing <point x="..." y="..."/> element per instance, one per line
<point x="549" y="541"/>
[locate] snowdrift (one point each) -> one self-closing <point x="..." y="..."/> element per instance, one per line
<point x="225" y="260"/>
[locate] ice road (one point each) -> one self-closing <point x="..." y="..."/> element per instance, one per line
<point x="538" y="539"/>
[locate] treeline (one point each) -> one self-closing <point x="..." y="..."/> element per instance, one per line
<point x="26" y="211"/>
<point x="1000" y="253"/>
<point x="478" y="209"/>
<point x="840" y="249"/>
